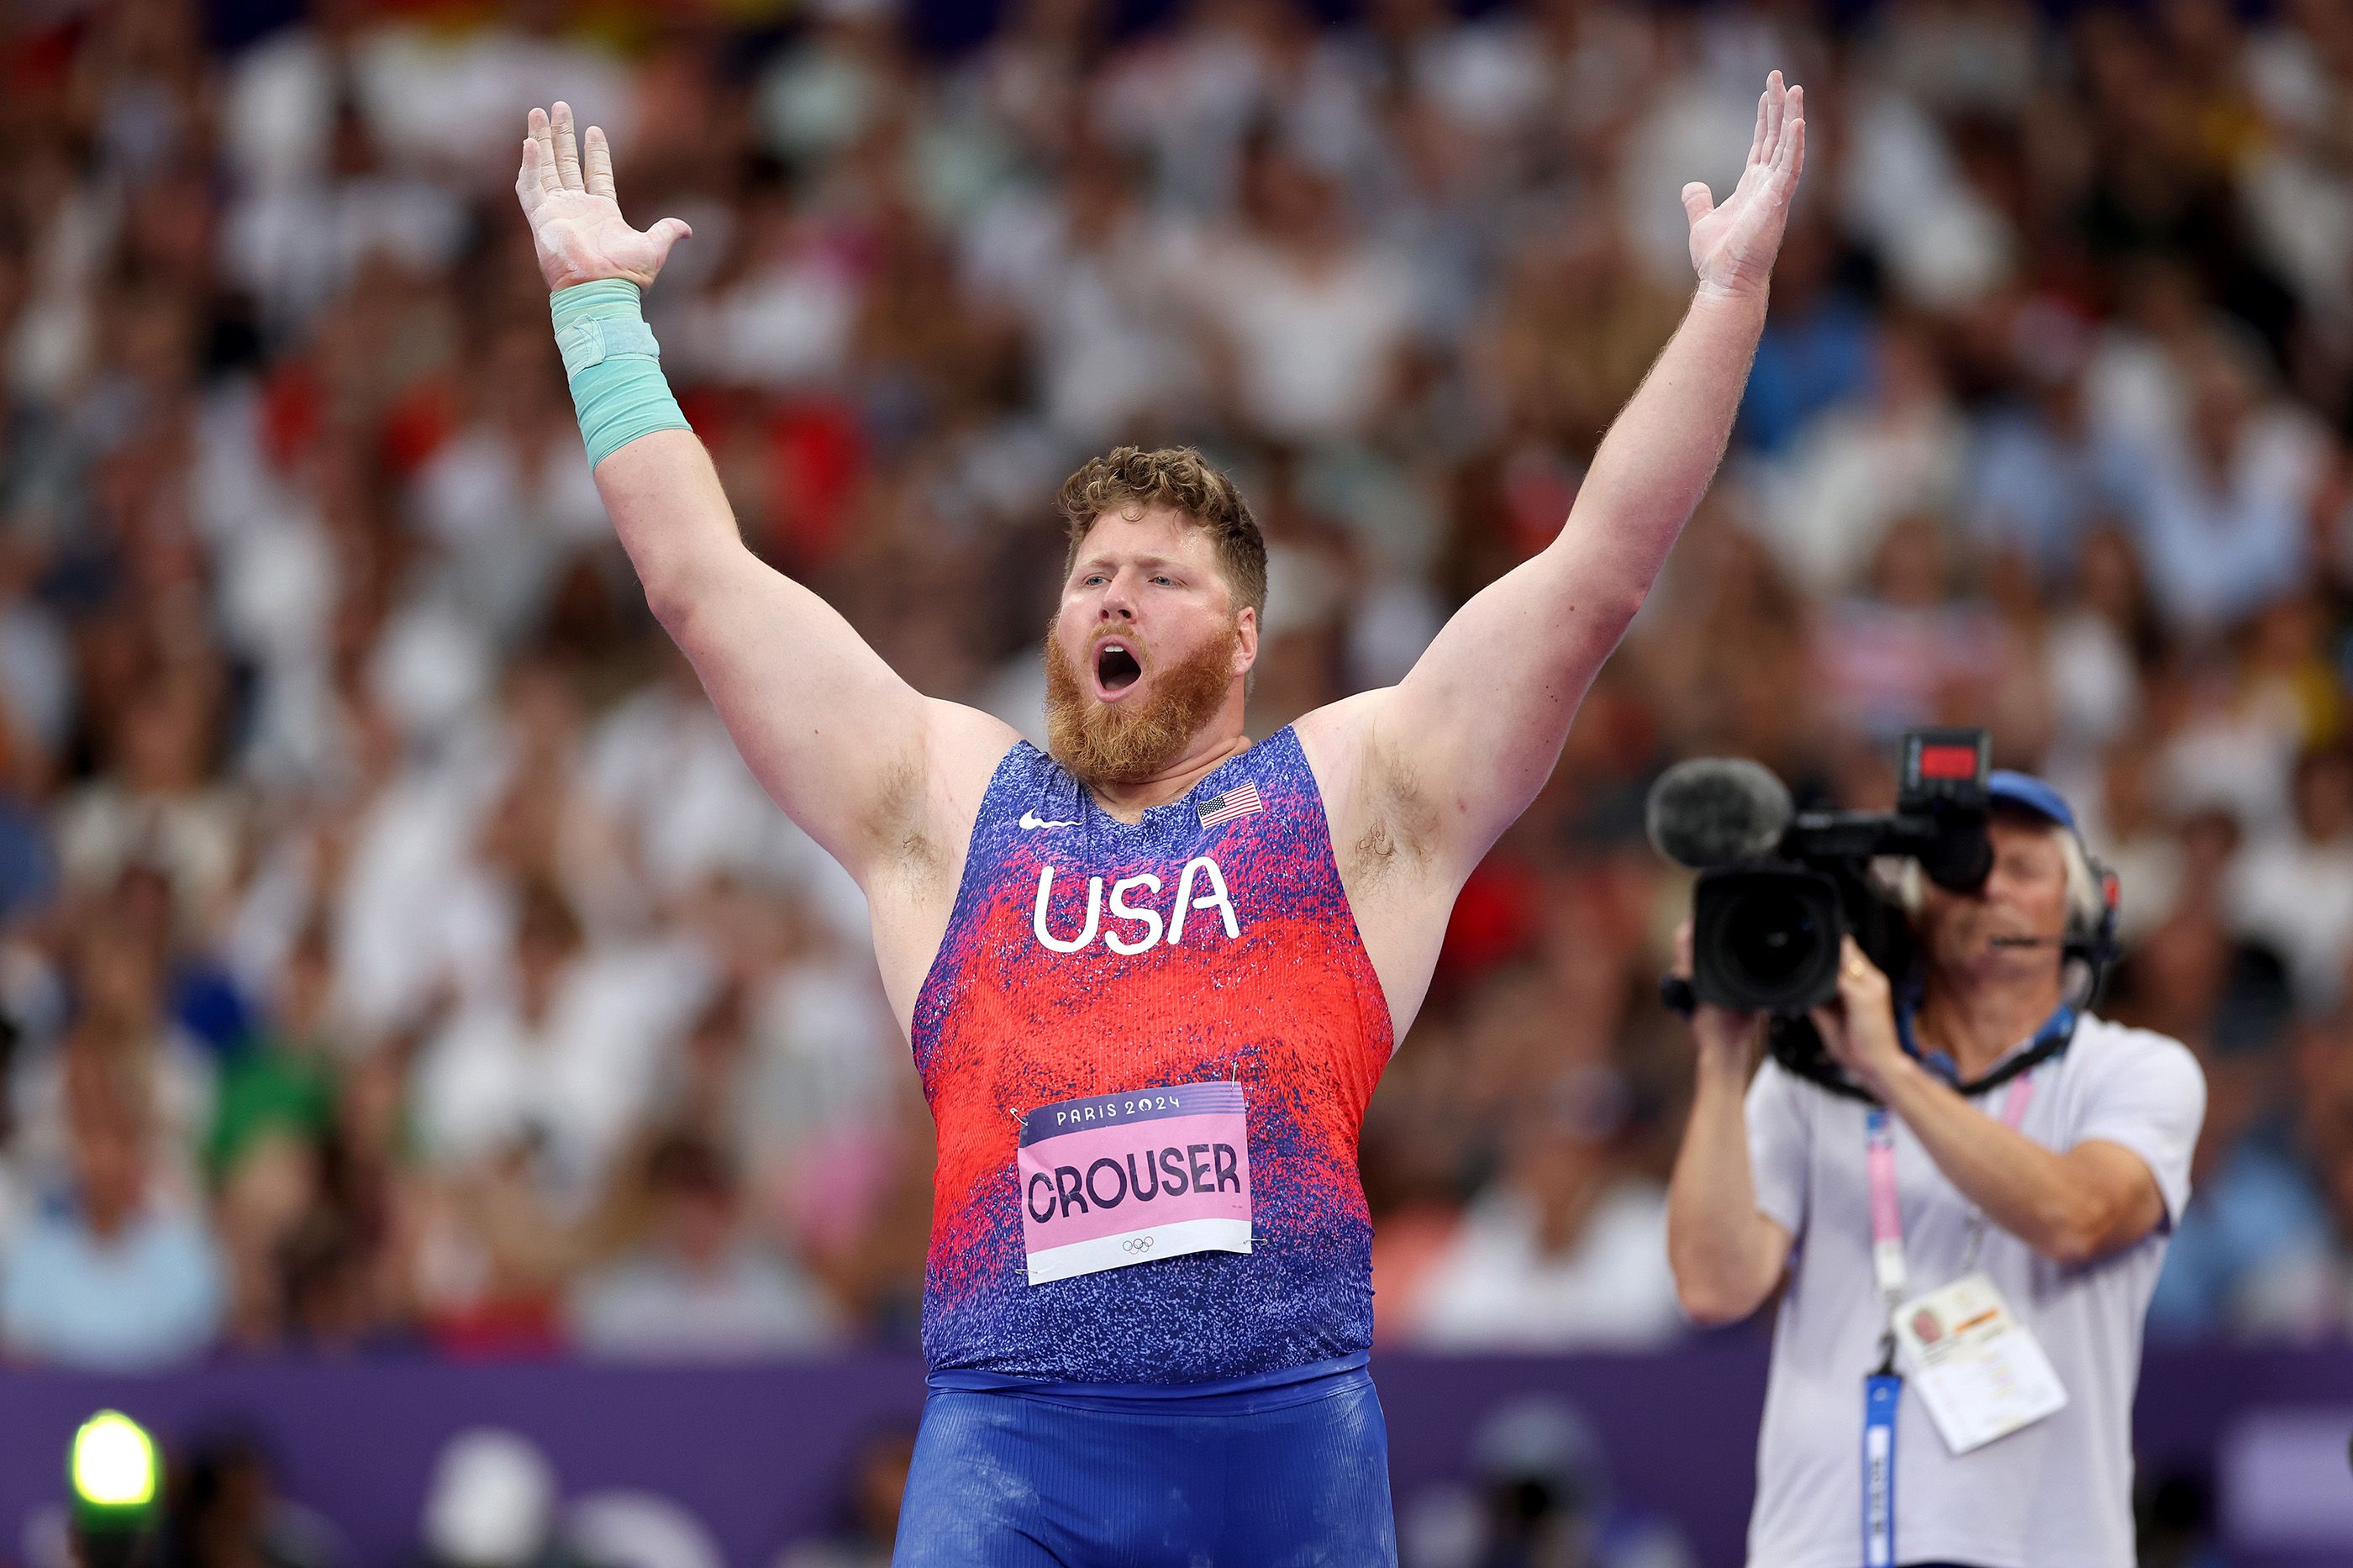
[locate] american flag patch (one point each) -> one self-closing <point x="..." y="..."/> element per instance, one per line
<point x="1234" y="802"/>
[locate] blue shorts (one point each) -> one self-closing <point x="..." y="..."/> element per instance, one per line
<point x="1054" y="1477"/>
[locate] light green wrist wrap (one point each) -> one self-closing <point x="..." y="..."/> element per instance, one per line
<point x="614" y="365"/>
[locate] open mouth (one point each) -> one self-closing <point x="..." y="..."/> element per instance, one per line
<point x="1117" y="667"/>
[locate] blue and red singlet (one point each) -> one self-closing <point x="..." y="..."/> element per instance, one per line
<point x="1149" y="1049"/>
<point x="1089" y="959"/>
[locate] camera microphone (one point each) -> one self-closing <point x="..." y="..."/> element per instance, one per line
<point x="1717" y="811"/>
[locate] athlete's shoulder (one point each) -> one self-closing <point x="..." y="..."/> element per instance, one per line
<point x="966" y="746"/>
<point x="1332" y="737"/>
<point x="1340" y="744"/>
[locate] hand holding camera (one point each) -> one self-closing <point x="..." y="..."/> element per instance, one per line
<point x="1728" y="1038"/>
<point x="1858" y="1028"/>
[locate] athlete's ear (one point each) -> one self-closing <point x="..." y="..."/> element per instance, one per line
<point x="1245" y="639"/>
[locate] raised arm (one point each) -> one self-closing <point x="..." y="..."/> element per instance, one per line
<point x="1478" y="724"/>
<point x="853" y="753"/>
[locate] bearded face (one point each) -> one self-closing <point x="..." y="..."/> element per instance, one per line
<point x="1141" y="659"/>
<point x="1130" y="740"/>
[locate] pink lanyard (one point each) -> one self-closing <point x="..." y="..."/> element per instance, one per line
<point x="1887" y="1216"/>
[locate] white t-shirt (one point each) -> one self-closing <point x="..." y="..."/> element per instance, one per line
<point x="1497" y="1289"/>
<point x="1311" y="347"/>
<point x="2057" y="1494"/>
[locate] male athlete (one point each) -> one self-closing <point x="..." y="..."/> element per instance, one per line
<point x="1152" y="974"/>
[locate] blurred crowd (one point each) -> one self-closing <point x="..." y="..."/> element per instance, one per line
<point x="395" y="953"/>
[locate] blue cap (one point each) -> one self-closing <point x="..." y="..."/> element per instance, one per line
<point x="2024" y="791"/>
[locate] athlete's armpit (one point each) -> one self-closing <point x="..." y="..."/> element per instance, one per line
<point x="894" y="829"/>
<point x="1400" y="835"/>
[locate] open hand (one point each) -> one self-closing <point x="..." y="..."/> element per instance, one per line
<point x="576" y="222"/>
<point x="1732" y="246"/>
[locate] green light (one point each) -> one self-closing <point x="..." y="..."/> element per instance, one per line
<point x="113" y="1462"/>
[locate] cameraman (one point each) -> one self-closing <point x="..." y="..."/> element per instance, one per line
<point x="2051" y="1197"/>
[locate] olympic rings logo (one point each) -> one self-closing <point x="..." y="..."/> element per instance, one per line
<point x="1138" y="1243"/>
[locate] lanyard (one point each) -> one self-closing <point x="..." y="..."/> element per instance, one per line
<point x="1883" y="1389"/>
<point x="1887" y="1216"/>
<point x="1879" y="1163"/>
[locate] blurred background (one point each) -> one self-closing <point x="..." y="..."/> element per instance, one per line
<point x="400" y="970"/>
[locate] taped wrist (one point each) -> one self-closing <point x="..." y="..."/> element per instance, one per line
<point x="614" y="366"/>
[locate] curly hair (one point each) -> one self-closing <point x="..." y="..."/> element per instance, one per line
<point x="1131" y="481"/>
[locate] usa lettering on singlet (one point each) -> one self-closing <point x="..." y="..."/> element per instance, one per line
<point x="1148" y="1048"/>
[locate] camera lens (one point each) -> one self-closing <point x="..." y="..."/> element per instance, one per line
<point x="1772" y="938"/>
<point x="1765" y="938"/>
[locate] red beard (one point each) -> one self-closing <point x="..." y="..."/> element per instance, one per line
<point x="1128" y="742"/>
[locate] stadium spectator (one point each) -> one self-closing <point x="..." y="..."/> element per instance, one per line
<point x="1564" y="1252"/>
<point x="692" y="1286"/>
<point x="112" y="1273"/>
<point x="2220" y="503"/>
<point x="2294" y="890"/>
<point x="554" y="1074"/>
<point x="118" y="1024"/>
<point x="2262" y="1217"/>
<point x="1854" y="472"/>
<point x="2296" y="1278"/>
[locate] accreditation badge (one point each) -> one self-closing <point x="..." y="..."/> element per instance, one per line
<point x="1981" y="1373"/>
<point x="1119" y="1179"/>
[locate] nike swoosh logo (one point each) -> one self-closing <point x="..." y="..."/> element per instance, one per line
<point x="1030" y="821"/>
